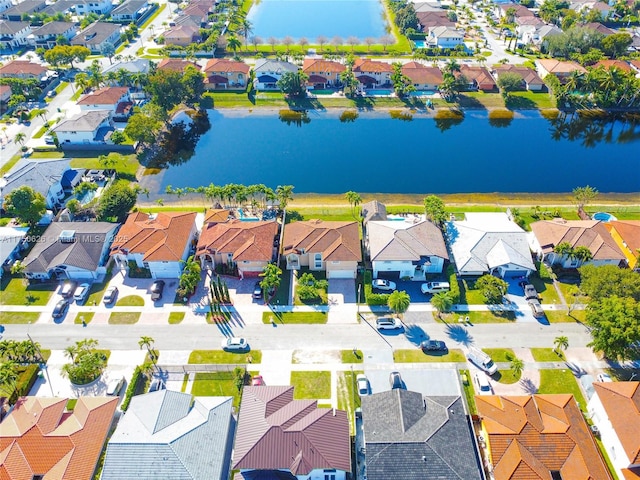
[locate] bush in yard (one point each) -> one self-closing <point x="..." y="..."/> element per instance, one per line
<point x="131" y="389"/>
<point x="87" y="362"/>
<point x="308" y="286"/>
<point x="454" y="290"/>
<point x="493" y="288"/>
<point x="27" y="377"/>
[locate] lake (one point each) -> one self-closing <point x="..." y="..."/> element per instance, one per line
<point x="379" y="154"/>
<point x="313" y="18"/>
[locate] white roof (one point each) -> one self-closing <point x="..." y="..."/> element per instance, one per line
<point x="10" y="238"/>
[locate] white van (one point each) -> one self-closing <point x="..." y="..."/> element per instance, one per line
<point x="435" y="287"/>
<point x="482" y="360"/>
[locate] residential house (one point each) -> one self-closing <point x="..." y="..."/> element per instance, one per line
<point x="5" y="5"/>
<point x="268" y="72"/>
<point x="161" y="242"/>
<point x="139" y="65"/>
<point x="85" y="7"/>
<point x="193" y="19"/>
<point x="14" y="34"/>
<point x="609" y="64"/>
<point x="105" y="98"/>
<point x="538" y="437"/>
<point x="444" y="37"/>
<point x="600" y="28"/>
<point x="73" y="250"/>
<point x="478" y="78"/>
<point x="168" y="434"/>
<point x="86" y="128"/>
<point x="130" y="11"/>
<point x="39" y="438"/>
<point x="24" y="70"/>
<point x="247" y="246"/>
<point x="26" y="7"/>
<point x="410" y="436"/>
<point x="97" y="35"/>
<point x="530" y="79"/>
<point x="372" y="211"/>
<point x="489" y="243"/>
<point x="176" y="65"/>
<point x="626" y="234"/>
<point x="422" y="77"/>
<point x="5" y="93"/>
<point x="182" y="35"/>
<point x="540" y="38"/>
<point x="10" y="245"/>
<point x="221" y="73"/>
<point x="584" y="7"/>
<point x="44" y="176"/>
<point x="514" y="9"/>
<point x="592" y="234"/>
<point x="322" y="73"/>
<point x="372" y="73"/>
<point x="47" y="35"/>
<point x="615" y="409"/>
<point x="319" y="245"/>
<point x="279" y="437"/>
<point x="408" y="249"/>
<point x="434" y="18"/>
<point x="635" y="64"/>
<point x="562" y="70"/>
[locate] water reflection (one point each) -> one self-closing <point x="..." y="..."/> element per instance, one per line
<point x="294" y="117"/>
<point x="590" y="129"/>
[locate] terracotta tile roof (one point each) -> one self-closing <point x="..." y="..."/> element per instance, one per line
<point x="20" y="67"/>
<point x="224" y="65"/>
<point x="621" y="401"/>
<point x="631" y="473"/>
<point x="319" y="65"/>
<point x="419" y="73"/>
<point x="578" y="233"/>
<point x="480" y="75"/>
<point x="434" y="19"/>
<point x="337" y="241"/>
<point x="4" y="89"/>
<point x="72" y="441"/>
<point x="529" y="76"/>
<point x="560" y="67"/>
<point x="104" y="96"/>
<point x="175" y="64"/>
<point x="246" y="241"/>
<point x="519" y="10"/>
<point x="629" y="230"/>
<point x="531" y="436"/>
<point x="365" y="65"/>
<point x="162" y="238"/>
<point x="607" y="64"/>
<point x="276" y="432"/>
<point x="216" y="215"/>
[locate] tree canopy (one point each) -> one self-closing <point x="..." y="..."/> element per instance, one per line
<point x="434" y="209"/>
<point x="293" y="84"/>
<point x="25" y="204"/>
<point x="116" y="201"/>
<point x="493" y="288"/>
<point x="615" y="326"/>
<point x="609" y="280"/>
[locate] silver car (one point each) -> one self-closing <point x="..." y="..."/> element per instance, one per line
<point x="388" y="323"/>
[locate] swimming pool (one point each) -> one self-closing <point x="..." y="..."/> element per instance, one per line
<point x="378" y="92"/>
<point x="603" y="217"/>
<point x="422" y="93"/>
<point x="420" y="44"/>
<point x="86" y="197"/>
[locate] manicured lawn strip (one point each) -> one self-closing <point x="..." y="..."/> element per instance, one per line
<point x="96" y="293"/>
<point x="45" y="354"/>
<point x="415" y="355"/>
<point x="500" y="354"/>
<point x="349" y="357"/>
<point x="40" y="132"/>
<point x="605" y="456"/>
<point x="480" y="100"/>
<point x="86" y="316"/>
<point x="281" y="296"/>
<point x="153" y="16"/>
<point x="561" y="381"/>
<point x="216" y="384"/>
<point x="545" y="288"/>
<point x="130" y="301"/>
<point x="537" y="99"/>
<point x="476" y="317"/>
<point x="78" y="92"/>
<point x="176" y="317"/>
<point x="563" y="316"/>
<point x="545" y="355"/>
<point x="19" y="317"/>
<point x="10" y="164"/>
<point x="14" y="291"/>
<point x="126" y="167"/>
<point x="124" y="318"/>
<point x="348" y="398"/>
<point x="295" y="317"/>
<point x="336" y="213"/>
<point x="185" y="382"/>
<point x="468" y="391"/>
<point x="311" y="385"/>
<point x="507" y="376"/>
<point x="220" y="356"/>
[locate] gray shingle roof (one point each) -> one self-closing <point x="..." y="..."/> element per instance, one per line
<point x="373" y="210"/>
<point x="139" y="65"/>
<point x="265" y="65"/>
<point x="95" y="34"/>
<point x="53" y="28"/>
<point x="129" y="7"/>
<point x="11" y="28"/>
<point x="163" y="435"/>
<point x="83" y="122"/>
<point x="403" y="241"/>
<point x="413" y="437"/>
<point x="38" y="174"/>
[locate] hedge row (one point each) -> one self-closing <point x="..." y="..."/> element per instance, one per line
<point x="371" y="298"/>
<point x="453" y="284"/>
<point x="132" y="388"/>
<point x="26" y="379"/>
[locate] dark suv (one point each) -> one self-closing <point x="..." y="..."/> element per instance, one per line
<point x="156" y="290"/>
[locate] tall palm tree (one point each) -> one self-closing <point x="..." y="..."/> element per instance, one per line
<point x="233" y="43"/>
<point x="399" y="302"/>
<point x="354" y="200"/>
<point x="442" y="302"/>
<point x="517" y="365"/>
<point x="284" y="194"/>
<point x="8" y="377"/>
<point x="560" y="343"/>
<point x="20" y="138"/>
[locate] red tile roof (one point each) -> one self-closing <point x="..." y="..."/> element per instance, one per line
<point x="559" y="67"/>
<point x="175" y="64"/>
<point x="629" y="231"/>
<point x="619" y="64"/>
<point x="531" y="436"/>
<point x="21" y="67"/>
<point x="419" y="73"/>
<point x="276" y="432"/>
<point x="246" y="241"/>
<point x="337" y="241"/>
<point x="162" y="238"/>
<point x="365" y="65"/>
<point x="480" y="75"/>
<point x="224" y="65"/>
<point x="319" y="65"/>
<point x="529" y="76"/>
<point x="38" y="438"/>
<point x="104" y="96"/>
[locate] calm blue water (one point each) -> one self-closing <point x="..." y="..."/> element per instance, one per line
<point x="312" y="18"/>
<point x="378" y="154"/>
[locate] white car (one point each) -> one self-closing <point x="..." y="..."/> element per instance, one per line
<point x="81" y="293"/>
<point x="604" y="377"/>
<point x="114" y="386"/>
<point x="363" y="385"/>
<point x="482" y="384"/>
<point x="381" y="284"/>
<point x="388" y="323"/>
<point x="235" y="344"/>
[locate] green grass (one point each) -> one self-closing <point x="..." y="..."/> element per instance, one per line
<point x="535" y="99"/>
<point x="476" y="317"/>
<point x="507" y="377"/>
<point x="218" y="384"/>
<point x="295" y="317"/>
<point x="43" y="129"/>
<point x="500" y="354"/>
<point x="471" y="295"/>
<point x="545" y="288"/>
<point x="124" y="318"/>
<point x="220" y="356"/>
<point x="19" y="317"/>
<point x="605" y="456"/>
<point x="185" y="382"/>
<point x="561" y="381"/>
<point x="417" y="356"/>
<point x="77" y="95"/>
<point x="130" y="301"/>
<point x="96" y="293"/>
<point x="126" y="165"/>
<point x="559" y="316"/>
<point x="322" y="297"/>
<point x="176" y="317"/>
<point x="86" y="316"/>
<point x="311" y="385"/>
<point x="348" y="398"/>
<point x="10" y="164"/>
<point x="71" y="404"/>
<point x="348" y="356"/>
<point x="282" y="293"/>
<point x="333" y="213"/>
<point x="545" y="355"/>
<point x="152" y="17"/>
<point x="15" y="291"/>
<point x="480" y="100"/>
<point x="468" y="391"/>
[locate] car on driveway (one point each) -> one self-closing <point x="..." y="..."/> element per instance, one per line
<point x="61" y="308"/>
<point x="81" y="293"/>
<point x="234" y="344"/>
<point x="395" y="380"/>
<point x="114" y="386"/>
<point x="433" y="346"/>
<point x="257" y="381"/>
<point x="110" y="295"/>
<point x="482" y="384"/>
<point x="604" y="377"/>
<point x="257" y="291"/>
<point x="156" y="290"/>
<point x="381" y="284"/>
<point x="68" y="288"/>
<point x="434" y="287"/>
<point x="388" y="323"/>
<point x="529" y="290"/>
<point x="536" y="308"/>
<point x="363" y="385"/>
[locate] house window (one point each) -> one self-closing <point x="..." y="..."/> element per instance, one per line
<point x="329" y="475"/>
<point x="317" y="259"/>
<point x="145" y="264"/>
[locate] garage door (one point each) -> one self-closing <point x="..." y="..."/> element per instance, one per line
<point x="167" y="272"/>
<point x="77" y="275"/>
<point x="340" y="274"/>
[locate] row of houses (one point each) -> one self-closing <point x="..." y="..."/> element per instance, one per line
<point x="127" y="11"/>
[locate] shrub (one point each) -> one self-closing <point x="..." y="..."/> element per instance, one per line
<point x="454" y="291"/>
<point x="132" y="388"/>
<point x="26" y="378"/>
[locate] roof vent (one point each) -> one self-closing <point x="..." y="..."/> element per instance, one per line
<point x="153" y="216"/>
<point x="67" y="236"/>
<point x="424" y="458"/>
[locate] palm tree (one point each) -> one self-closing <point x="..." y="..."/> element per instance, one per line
<point x="8" y="377"/>
<point x="246" y="27"/>
<point x="148" y="343"/>
<point x="563" y="249"/>
<point x="354" y="200"/>
<point x="442" y="302"/>
<point x="399" y="302"/>
<point x="20" y="138"/>
<point x="582" y="254"/>
<point x="82" y="81"/>
<point x="517" y="365"/>
<point x="233" y="43"/>
<point x="284" y="193"/>
<point x="270" y="280"/>
<point x="560" y="344"/>
<point x="452" y="66"/>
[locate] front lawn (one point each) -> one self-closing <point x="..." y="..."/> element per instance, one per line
<point x="507" y="377"/>
<point x="130" y="301"/>
<point x="545" y="355"/>
<point x="281" y="296"/>
<point x="96" y="293"/>
<point x="545" y="288"/>
<point x="86" y="316"/>
<point x="220" y="356"/>
<point x="500" y="354"/>
<point x="563" y="316"/>
<point x="561" y="381"/>
<point x="415" y="355"/>
<point x="469" y="393"/>
<point x="216" y="384"/>
<point x="19" y="317"/>
<point x="320" y="297"/>
<point x="124" y="318"/>
<point x="311" y="385"/>
<point x="294" y="317"/>
<point x="176" y="317"/>
<point x="15" y="291"/>
<point x="480" y="317"/>
<point x="348" y="356"/>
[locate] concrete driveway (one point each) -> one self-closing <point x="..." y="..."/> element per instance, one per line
<point x="341" y="291"/>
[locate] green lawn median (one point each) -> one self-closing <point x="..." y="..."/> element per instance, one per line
<point x="220" y="356"/>
<point x="294" y="317"/>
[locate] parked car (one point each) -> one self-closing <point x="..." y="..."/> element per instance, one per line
<point x="68" y="288"/>
<point x="257" y="291"/>
<point x="114" y="386"/>
<point x="157" y="384"/>
<point x="60" y="309"/>
<point x="482" y="384"/>
<point x="48" y="139"/>
<point x="536" y="308"/>
<point x="395" y="380"/>
<point x="382" y="284"/>
<point x="110" y="295"/>
<point x="529" y="290"/>
<point x="363" y="385"/>
<point x="80" y="294"/>
<point x="235" y="344"/>
<point x="156" y="290"/>
<point x="388" y="323"/>
<point x="257" y="381"/>
<point x="604" y="377"/>
<point x="435" y="287"/>
<point x="482" y="360"/>
<point x="433" y="346"/>
<point x="51" y="93"/>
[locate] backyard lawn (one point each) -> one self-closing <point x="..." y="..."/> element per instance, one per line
<point x="294" y="317"/>
<point x="15" y="291"/>
<point x="220" y="356"/>
<point x="311" y="385"/>
<point x="216" y="384"/>
<point x="561" y="381"/>
<point x="124" y="318"/>
<point x="416" y="355"/>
